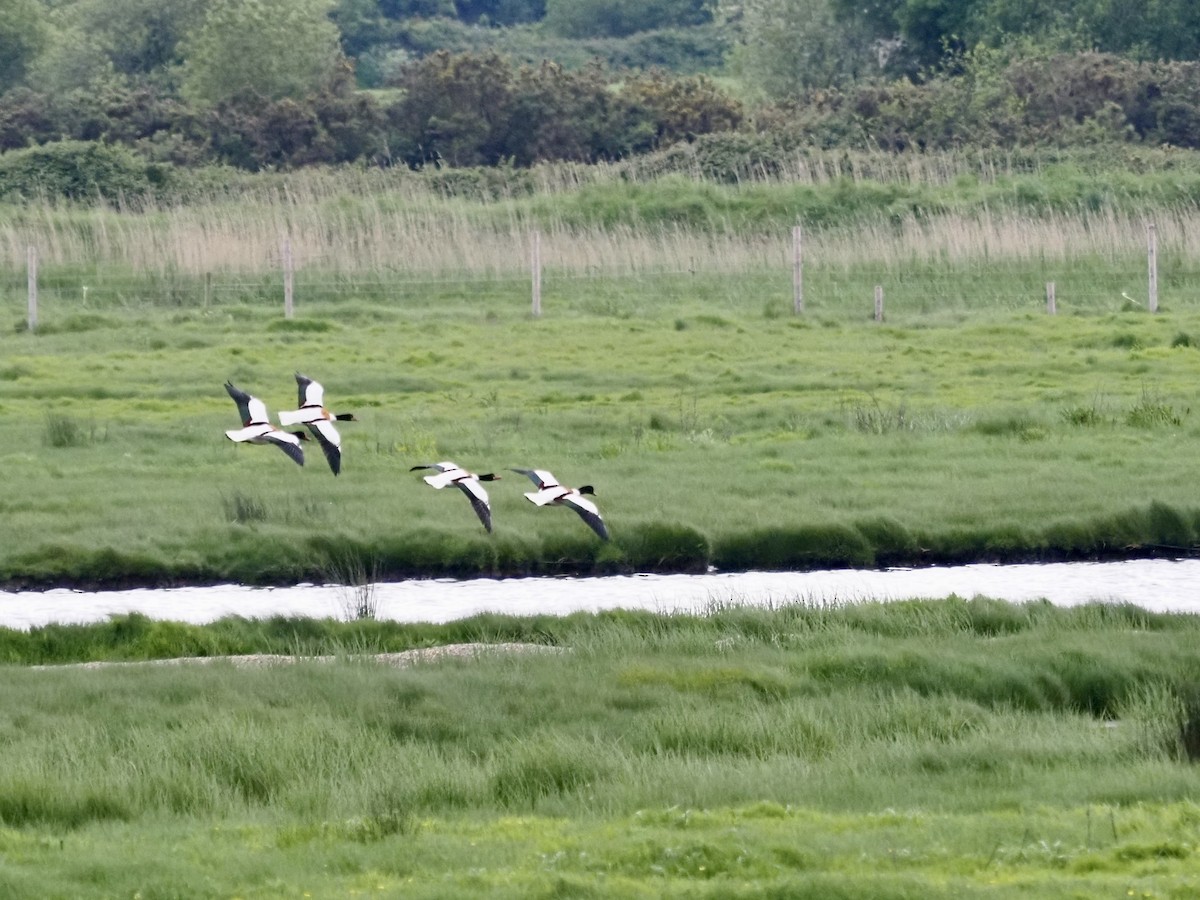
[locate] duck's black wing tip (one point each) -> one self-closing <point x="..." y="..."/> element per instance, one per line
<point x="295" y="451"/>
<point x="478" y="497"/>
<point x="331" y="449"/>
<point x="242" y="399"/>
<point x="302" y="383"/>
<point x="593" y="521"/>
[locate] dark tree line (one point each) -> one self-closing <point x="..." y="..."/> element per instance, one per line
<point x="460" y="110"/>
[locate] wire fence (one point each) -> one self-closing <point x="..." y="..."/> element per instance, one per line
<point x="802" y="285"/>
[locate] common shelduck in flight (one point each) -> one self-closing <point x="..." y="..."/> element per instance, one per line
<point x="468" y="482"/>
<point x="257" y="428"/>
<point x="312" y="412"/>
<point x="550" y="491"/>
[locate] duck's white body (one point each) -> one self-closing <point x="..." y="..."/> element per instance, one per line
<point x="312" y="412"/>
<point x="450" y="474"/>
<point x="257" y="428"/>
<point x="549" y="491"/>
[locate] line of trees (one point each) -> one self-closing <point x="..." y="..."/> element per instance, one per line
<point x="273" y="83"/>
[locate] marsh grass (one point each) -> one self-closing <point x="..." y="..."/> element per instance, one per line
<point x="66" y="431"/>
<point x="676" y="753"/>
<point x="1151" y="412"/>
<point x="356" y="579"/>
<point x="243" y="508"/>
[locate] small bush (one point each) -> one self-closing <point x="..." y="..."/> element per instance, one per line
<point x="77" y="170"/>
<point x="66" y="431"/>
<point x="1083" y="416"/>
<point x="1150" y="413"/>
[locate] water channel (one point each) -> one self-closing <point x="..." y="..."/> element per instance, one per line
<point x="1158" y="585"/>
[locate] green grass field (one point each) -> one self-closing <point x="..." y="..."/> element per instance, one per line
<point x="938" y="748"/>
<point x="920" y="749"/>
<point x="714" y="434"/>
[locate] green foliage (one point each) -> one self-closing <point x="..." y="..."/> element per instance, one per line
<point x="787" y="46"/>
<point x="617" y="18"/>
<point x="500" y="12"/>
<point x="681" y="109"/>
<point x="334" y="125"/>
<point x="270" y="49"/>
<point x="78" y="170"/>
<point x="471" y="110"/>
<point x="684" y="51"/>
<point x="112" y="44"/>
<point x="23" y="35"/>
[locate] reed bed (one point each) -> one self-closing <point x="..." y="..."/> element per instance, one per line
<point x="140" y="254"/>
<point x="892" y="211"/>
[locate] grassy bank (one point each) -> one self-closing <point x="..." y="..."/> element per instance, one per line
<point x="914" y="749"/>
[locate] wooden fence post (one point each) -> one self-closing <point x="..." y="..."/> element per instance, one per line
<point x="535" y="262"/>
<point x="288" y="279"/>
<point x="879" y="303"/>
<point x="31" y="268"/>
<point x="1152" y="265"/>
<point x="797" y="270"/>
<point x="1051" y="305"/>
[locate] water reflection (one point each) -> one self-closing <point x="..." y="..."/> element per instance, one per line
<point x="1158" y="585"/>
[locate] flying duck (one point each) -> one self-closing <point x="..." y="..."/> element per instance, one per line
<point x="468" y="482"/>
<point x="257" y="428"/>
<point x="550" y="491"/>
<point x="319" y="420"/>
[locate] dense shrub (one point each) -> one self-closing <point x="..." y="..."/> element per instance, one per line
<point x="1064" y="99"/>
<point x="331" y="127"/>
<point x="683" y="51"/>
<point x="77" y="170"/>
<point x="478" y="109"/>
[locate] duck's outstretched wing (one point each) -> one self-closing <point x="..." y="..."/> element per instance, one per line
<point x="331" y="443"/>
<point x="588" y="511"/>
<point x="541" y="477"/>
<point x="288" y="443"/>
<point x="479" y="500"/>
<point x="448" y="473"/>
<point x="311" y="392"/>
<point x="242" y="399"/>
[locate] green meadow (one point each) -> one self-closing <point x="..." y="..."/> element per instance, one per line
<point x="918" y="749"/>
<point x="936" y="748"/>
<point x="669" y="367"/>
<point x="717" y="427"/>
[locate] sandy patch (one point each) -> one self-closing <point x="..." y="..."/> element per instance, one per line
<point x="399" y="660"/>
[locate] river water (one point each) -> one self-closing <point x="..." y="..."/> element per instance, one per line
<point x="1157" y="585"/>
